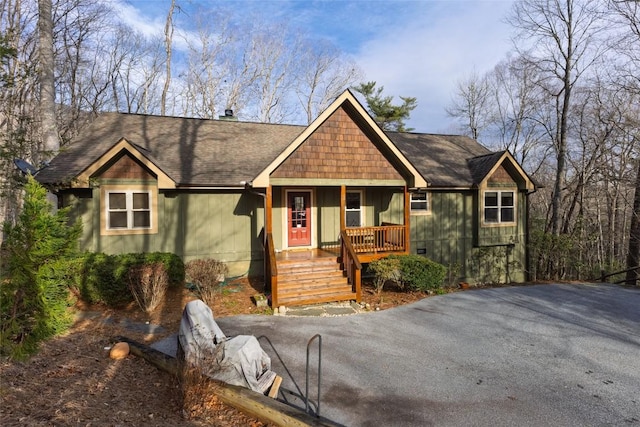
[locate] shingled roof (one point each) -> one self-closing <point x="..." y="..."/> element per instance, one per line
<point x="204" y="152"/>
<point x="441" y="159"/>
<point x="192" y="152"/>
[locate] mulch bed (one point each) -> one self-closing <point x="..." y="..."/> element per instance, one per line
<point x="72" y="380"/>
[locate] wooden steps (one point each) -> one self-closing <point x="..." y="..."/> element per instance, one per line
<point x="311" y="281"/>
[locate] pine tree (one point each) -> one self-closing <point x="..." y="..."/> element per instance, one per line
<point x="34" y="295"/>
<point x="388" y="116"/>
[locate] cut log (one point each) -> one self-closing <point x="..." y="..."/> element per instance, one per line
<point x="275" y="387"/>
<point x="251" y="403"/>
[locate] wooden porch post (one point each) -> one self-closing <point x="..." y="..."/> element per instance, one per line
<point x="343" y="207"/>
<point x="269" y="211"/>
<point x="407" y="218"/>
<point x="271" y="276"/>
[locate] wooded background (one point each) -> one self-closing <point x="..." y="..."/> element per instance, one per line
<point x="565" y="101"/>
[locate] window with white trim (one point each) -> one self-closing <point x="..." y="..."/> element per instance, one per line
<point x="128" y="210"/>
<point x="499" y="207"/>
<point x="353" y="209"/>
<point x="420" y="202"/>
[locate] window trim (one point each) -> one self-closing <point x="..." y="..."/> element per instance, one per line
<point x="105" y="190"/>
<point x="499" y="207"/>
<point x="426" y="211"/>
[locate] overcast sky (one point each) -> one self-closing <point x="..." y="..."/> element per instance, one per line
<point x="417" y="48"/>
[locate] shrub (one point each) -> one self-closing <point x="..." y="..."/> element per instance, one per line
<point x="34" y="298"/>
<point x="385" y="269"/>
<point x="148" y="284"/>
<point x="206" y="275"/>
<point x="104" y="278"/>
<point x="420" y="273"/>
<point x="172" y="263"/>
<point x="98" y="283"/>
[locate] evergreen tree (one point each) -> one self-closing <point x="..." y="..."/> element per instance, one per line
<point x="34" y="296"/>
<point x="388" y="116"/>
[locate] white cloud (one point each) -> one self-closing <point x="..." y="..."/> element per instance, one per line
<point x="426" y="57"/>
<point x="149" y="18"/>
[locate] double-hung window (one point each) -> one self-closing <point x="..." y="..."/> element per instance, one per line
<point x="128" y="210"/>
<point x="420" y="203"/>
<point x="499" y="207"/>
<point x="353" y="211"/>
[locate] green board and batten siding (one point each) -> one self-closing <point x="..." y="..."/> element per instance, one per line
<point x="450" y="234"/>
<point x="226" y="226"/>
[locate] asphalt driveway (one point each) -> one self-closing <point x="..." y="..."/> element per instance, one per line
<point x="561" y="355"/>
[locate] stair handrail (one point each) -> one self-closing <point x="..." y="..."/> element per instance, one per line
<point x="350" y="263"/>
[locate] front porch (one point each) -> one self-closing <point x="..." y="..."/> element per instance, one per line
<point x="317" y="275"/>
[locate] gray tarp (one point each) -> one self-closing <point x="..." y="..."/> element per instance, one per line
<point x="239" y="360"/>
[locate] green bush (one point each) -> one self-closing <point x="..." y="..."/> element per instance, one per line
<point x="105" y="278"/>
<point x="97" y="282"/>
<point x="385" y="269"/>
<point x="34" y="298"/>
<point x="420" y="273"/>
<point x="172" y="263"/>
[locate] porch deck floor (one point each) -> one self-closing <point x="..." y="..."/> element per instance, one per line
<point x="306" y="254"/>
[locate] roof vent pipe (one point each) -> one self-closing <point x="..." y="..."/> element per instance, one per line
<point x="228" y="115"/>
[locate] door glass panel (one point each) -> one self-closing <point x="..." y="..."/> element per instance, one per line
<point x="298" y="212"/>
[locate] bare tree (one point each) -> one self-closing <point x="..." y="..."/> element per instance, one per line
<point x="210" y="52"/>
<point x="472" y="103"/>
<point x="564" y="44"/>
<point x="274" y="51"/>
<point x="627" y="15"/>
<point x="633" y="254"/>
<point x="168" y="40"/>
<point x="50" y="139"/>
<point x="517" y="114"/>
<point x="323" y="75"/>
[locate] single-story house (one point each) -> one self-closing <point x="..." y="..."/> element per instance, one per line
<point x="306" y="206"/>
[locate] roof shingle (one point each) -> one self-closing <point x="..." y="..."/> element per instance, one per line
<point x="204" y="152"/>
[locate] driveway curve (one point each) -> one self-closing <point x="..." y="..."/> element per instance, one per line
<point x="529" y="356"/>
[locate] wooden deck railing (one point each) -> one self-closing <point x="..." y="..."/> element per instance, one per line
<point x="384" y="238"/>
<point x="350" y="264"/>
<point x="271" y="267"/>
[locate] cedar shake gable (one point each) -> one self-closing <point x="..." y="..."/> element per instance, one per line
<point x="499" y="167"/>
<point x="359" y="123"/>
<point x="338" y="149"/>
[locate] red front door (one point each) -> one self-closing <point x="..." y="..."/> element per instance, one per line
<point x="299" y="218"/>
